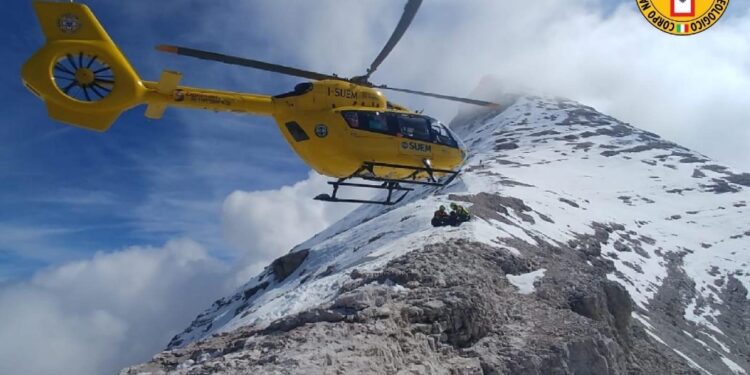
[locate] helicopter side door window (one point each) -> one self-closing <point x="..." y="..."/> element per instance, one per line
<point x="352" y="119"/>
<point x="365" y="120"/>
<point x="374" y="121"/>
<point x="414" y="127"/>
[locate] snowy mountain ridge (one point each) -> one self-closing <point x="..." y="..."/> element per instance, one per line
<point x="545" y="177"/>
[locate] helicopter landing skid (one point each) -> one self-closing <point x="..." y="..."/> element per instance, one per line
<point x="366" y="172"/>
<point x="391" y="185"/>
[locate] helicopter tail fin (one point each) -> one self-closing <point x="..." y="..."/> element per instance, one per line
<point x="79" y="73"/>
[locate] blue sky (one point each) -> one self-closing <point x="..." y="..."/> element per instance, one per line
<point x="67" y="192"/>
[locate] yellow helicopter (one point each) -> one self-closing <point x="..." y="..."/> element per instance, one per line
<point x="342" y="128"/>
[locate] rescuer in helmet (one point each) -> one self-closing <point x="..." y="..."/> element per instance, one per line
<point x="440" y="218"/>
<point x="458" y="215"/>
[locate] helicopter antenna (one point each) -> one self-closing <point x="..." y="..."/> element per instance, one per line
<point x="410" y="10"/>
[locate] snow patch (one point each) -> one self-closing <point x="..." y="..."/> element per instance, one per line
<point x="525" y="281"/>
<point x="700" y="319"/>
<point x="735" y="368"/>
<point x="690" y="361"/>
<point x="643" y="320"/>
<point x="723" y="347"/>
<point x="655" y="337"/>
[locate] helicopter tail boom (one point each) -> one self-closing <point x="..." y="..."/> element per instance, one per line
<point x="166" y="93"/>
<point x="86" y="81"/>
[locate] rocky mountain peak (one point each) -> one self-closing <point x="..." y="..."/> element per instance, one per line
<point x="595" y="248"/>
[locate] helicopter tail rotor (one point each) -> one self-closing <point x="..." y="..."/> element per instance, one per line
<point x="79" y="73"/>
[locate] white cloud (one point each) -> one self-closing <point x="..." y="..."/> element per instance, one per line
<point x="98" y="315"/>
<point x="688" y="89"/>
<point x="263" y="225"/>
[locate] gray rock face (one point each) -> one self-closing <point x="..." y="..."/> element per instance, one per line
<point x="455" y="313"/>
<point x="284" y="266"/>
<point x="595" y="248"/>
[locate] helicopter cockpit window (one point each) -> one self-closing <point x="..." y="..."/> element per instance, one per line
<point x="442" y="135"/>
<point x="415" y="127"/>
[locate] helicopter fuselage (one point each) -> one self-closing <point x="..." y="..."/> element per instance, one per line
<point x="336" y="126"/>
<point x="317" y="119"/>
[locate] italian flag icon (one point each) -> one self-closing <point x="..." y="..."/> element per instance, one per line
<point x="682" y="28"/>
<point x="683" y="8"/>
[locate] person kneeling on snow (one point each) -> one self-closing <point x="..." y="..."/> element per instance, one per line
<point x="459" y="214"/>
<point x="440" y="218"/>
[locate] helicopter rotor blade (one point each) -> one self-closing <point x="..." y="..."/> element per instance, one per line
<point x="440" y="96"/>
<point x="410" y="10"/>
<point x="234" y="60"/>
